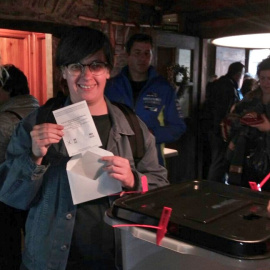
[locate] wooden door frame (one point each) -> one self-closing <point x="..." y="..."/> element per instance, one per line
<point x="34" y="64"/>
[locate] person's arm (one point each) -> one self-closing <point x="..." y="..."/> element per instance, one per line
<point x="22" y="172"/>
<point x="21" y="178"/>
<point x="264" y="126"/>
<point x="130" y="177"/>
<point x="149" y="165"/>
<point x="174" y="124"/>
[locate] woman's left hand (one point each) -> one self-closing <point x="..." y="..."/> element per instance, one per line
<point x="264" y="126"/>
<point x="119" y="168"/>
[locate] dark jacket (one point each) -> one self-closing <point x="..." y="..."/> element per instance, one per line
<point x="224" y="95"/>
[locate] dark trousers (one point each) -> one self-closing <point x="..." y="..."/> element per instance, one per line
<point x="23" y="267"/>
<point x="11" y="227"/>
<point x="218" y="166"/>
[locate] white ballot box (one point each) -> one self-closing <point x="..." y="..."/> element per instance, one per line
<point x="211" y="226"/>
<point x="140" y="252"/>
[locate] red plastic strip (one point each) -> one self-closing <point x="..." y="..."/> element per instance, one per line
<point x="163" y="223"/>
<point x="144" y="184"/>
<point x="255" y="186"/>
<point x="161" y="228"/>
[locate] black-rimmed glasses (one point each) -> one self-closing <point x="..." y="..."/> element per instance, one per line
<point x="96" y="68"/>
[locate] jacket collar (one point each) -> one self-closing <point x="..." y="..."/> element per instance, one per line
<point x="151" y="72"/>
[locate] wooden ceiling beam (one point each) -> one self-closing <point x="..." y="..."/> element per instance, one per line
<point x="237" y="26"/>
<point x="210" y="5"/>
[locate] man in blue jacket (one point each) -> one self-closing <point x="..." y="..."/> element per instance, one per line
<point x="150" y="95"/>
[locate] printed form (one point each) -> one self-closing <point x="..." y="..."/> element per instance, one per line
<point x="80" y="133"/>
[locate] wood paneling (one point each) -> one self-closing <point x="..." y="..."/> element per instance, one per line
<point x="26" y="50"/>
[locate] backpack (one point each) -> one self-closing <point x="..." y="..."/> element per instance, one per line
<point x="136" y="142"/>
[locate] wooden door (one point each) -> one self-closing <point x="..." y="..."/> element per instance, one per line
<point x="166" y="58"/>
<point x="26" y="50"/>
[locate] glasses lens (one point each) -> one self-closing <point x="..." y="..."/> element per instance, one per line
<point x="75" y="69"/>
<point x="3" y="76"/>
<point x="97" y="68"/>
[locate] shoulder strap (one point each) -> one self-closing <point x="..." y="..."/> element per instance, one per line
<point x="45" y="112"/>
<point x="18" y="116"/>
<point x="137" y="141"/>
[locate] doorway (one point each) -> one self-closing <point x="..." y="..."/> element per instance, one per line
<point x="166" y="57"/>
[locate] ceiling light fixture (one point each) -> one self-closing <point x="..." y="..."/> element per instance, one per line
<point x="252" y="41"/>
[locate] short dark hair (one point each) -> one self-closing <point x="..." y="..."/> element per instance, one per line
<point x="249" y="84"/>
<point x="138" y="38"/>
<point x="263" y="65"/>
<point x="81" y="41"/>
<point x="235" y="68"/>
<point x="17" y="83"/>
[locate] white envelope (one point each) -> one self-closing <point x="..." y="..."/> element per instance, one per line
<point x="86" y="178"/>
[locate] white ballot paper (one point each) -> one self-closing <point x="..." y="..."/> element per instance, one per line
<point x="80" y="132"/>
<point x="86" y="178"/>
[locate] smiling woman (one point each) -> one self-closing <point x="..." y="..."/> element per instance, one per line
<point x="60" y="233"/>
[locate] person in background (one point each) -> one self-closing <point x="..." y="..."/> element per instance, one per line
<point x="249" y="84"/>
<point x="225" y="94"/>
<point x="59" y="234"/>
<point x="248" y="152"/>
<point x="15" y="104"/>
<point x="209" y="87"/>
<point x="150" y="95"/>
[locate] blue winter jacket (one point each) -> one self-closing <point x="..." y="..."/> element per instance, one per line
<point x="156" y="105"/>
<point x="45" y="191"/>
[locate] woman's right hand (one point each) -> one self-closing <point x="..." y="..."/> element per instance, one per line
<point x="43" y="136"/>
<point x="264" y="126"/>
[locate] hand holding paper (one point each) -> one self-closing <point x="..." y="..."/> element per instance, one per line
<point x="119" y="168"/>
<point x="43" y="136"/>
<point x="86" y="178"/>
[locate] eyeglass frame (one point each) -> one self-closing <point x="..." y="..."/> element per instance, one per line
<point x="83" y="66"/>
<point x="2" y="79"/>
